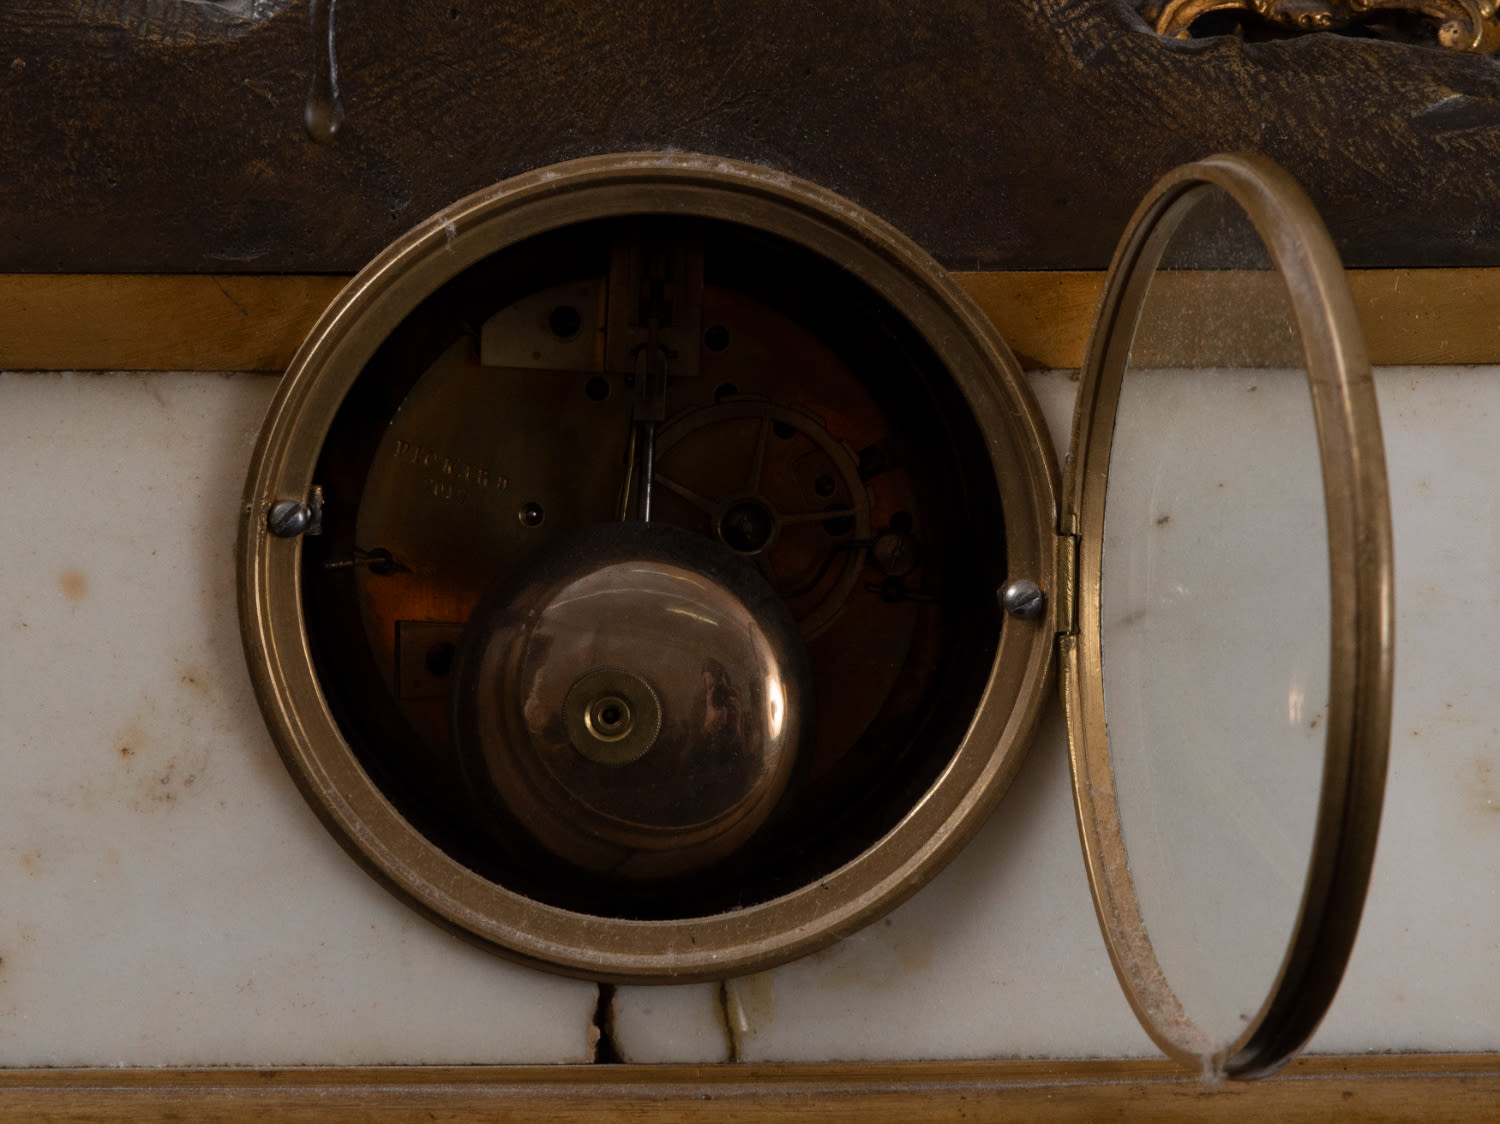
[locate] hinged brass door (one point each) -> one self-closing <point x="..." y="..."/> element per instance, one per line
<point x="1229" y="687"/>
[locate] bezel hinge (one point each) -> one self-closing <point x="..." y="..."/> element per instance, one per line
<point x="1065" y="583"/>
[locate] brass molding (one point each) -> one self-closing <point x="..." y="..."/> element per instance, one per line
<point x="1358" y="1087"/>
<point x="1459" y="25"/>
<point x="256" y="322"/>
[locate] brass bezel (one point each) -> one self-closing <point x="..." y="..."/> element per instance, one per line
<point x="270" y="595"/>
<point x="1361" y="651"/>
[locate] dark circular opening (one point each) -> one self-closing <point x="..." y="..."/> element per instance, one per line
<point x="747" y="526"/>
<point x="431" y="454"/>
<point x="439" y="659"/>
<point x="565" y="321"/>
<point x="839" y="525"/>
<point x="716" y="338"/>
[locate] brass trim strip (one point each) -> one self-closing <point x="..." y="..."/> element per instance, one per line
<point x="130" y="322"/>
<point x="256" y="322"/>
<point x="1392" y="1086"/>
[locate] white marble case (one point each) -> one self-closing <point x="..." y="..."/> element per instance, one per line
<point x="167" y="898"/>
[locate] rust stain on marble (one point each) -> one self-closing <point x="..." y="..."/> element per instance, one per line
<point x="158" y="776"/>
<point x="1486" y="788"/>
<point x="196" y="680"/>
<point x="750" y="1006"/>
<point x="130" y="738"/>
<point x="74" y="584"/>
<point x="874" y="960"/>
<point x="916" y="955"/>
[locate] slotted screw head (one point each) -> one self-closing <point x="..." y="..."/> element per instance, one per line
<point x="1024" y="600"/>
<point x="288" y="519"/>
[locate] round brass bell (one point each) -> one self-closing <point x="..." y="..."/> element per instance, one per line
<point x="635" y="700"/>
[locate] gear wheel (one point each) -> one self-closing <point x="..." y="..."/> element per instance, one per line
<point x="771" y="483"/>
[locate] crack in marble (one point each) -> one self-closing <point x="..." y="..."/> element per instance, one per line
<point x="602" y="1032"/>
<point x="726" y="1021"/>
